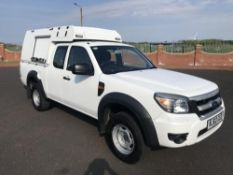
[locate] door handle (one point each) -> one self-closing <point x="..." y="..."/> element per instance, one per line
<point x="66" y="78"/>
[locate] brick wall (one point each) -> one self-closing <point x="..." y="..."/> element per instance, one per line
<point x="2" y="52"/>
<point x="205" y="59"/>
<point x="7" y="55"/>
<point x="197" y="58"/>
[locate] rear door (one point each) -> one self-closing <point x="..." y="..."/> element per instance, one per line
<point x="55" y="75"/>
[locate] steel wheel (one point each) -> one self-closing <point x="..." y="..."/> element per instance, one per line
<point x="36" y="97"/>
<point x="123" y="139"/>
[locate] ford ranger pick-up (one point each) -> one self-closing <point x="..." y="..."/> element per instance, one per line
<point x="90" y="70"/>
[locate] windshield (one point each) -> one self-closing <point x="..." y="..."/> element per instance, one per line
<point x="114" y="59"/>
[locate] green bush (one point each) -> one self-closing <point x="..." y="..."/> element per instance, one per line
<point x="222" y="48"/>
<point x="13" y="47"/>
<point x="213" y="45"/>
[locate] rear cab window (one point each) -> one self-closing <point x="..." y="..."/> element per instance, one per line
<point x="59" y="57"/>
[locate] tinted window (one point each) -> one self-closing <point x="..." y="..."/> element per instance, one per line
<point x="59" y="57"/>
<point x="78" y="55"/>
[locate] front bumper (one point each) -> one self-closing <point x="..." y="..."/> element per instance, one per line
<point x="190" y="124"/>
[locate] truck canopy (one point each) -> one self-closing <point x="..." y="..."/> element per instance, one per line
<point x="37" y="42"/>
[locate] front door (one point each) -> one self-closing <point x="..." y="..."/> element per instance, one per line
<point x="80" y="91"/>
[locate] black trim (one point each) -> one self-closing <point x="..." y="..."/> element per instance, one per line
<point x="203" y="131"/>
<point x="32" y="76"/>
<point x="178" y="138"/>
<point x="101" y="88"/>
<point x="140" y="114"/>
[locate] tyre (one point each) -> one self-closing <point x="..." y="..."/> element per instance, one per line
<point x="39" y="101"/>
<point x="124" y="137"/>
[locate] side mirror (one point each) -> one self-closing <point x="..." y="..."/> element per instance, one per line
<point x="82" y="69"/>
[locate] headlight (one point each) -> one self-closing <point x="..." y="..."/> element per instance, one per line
<point x="172" y="103"/>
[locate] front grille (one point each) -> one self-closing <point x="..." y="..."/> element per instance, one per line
<point x="206" y="103"/>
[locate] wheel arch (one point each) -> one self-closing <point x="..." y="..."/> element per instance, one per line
<point x="33" y="77"/>
<point x="115" y="102"/>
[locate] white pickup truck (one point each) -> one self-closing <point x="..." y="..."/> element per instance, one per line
<point x="92" y="71"/>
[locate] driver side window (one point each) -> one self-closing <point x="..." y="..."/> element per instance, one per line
<point x="78" y="55"/>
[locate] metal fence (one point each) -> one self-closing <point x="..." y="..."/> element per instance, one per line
<point x="144" y="47"/>
<point x="179" y="48"/>
<point x="147" y="47"/>
<point x="218" y="48"/>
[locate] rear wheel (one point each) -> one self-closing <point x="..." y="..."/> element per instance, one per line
<point x="124" y="137"/>
<point x="36" y="98"/>
<point x="39" y="101"/>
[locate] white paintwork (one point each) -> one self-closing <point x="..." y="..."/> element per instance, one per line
<point x="43" y="39"/>
<point x="186" y="123"/>
<point x="80" y="93"/>
<point x="160" y="80"/>
<point x="41" y="47"/>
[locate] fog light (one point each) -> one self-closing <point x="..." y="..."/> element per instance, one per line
<point x="178" y="138"/>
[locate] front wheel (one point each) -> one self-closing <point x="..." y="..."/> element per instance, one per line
<point x="39" y="100"/>
<point x="124" y="137"/>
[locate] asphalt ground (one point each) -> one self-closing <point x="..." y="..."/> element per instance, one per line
<point x="64" y="142"/>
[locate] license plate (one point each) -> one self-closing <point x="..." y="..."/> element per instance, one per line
<point x="215" y="120"/>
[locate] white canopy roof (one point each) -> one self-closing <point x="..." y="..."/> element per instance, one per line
<point x="71" y="33"/>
